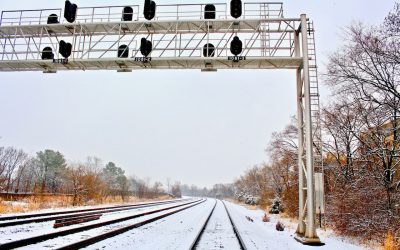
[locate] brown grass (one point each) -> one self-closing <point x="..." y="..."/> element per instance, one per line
<point x="34" y="203"/>
<point x="37" y="203"/>
<point x="6" y="208"/>
<point x="3" y="207"/>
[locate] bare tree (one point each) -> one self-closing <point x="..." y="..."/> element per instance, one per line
<point x="30" y="176"/>
<point x="85" y="181"/>
<point x="176" y="190"/>
<point x="284" y="143"/>
<point x="341" y="123"/>
<point x="23" y="171"/>
<point x="11" y="161"/>
<point x="363" y="129"/>
<point x="168" y="184"/>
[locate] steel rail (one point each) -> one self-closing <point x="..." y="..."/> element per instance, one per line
<point x="44" y="237"/>
<point x="235" y="229"/>
<point x="203" y="227"/>
<point x="101" y="237"/>
<point x="103" y="211"/>
<point x="26" y="216"/>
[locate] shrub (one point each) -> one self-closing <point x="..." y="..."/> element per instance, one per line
<point x="250" y="200"/>
<point x="276" y="206"/>
<point x="266" y="218"/>
<point x="290" y="201"/>
<point x="265" y="199"/>
<point x="362" y="212"/>
<point x="279" y="226"/>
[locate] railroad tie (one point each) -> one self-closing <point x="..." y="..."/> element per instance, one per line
<point x="76" y="220"/>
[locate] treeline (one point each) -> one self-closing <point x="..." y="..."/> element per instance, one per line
<point x="275" y="181"/>
<point x="49" y="173"/>
<point x="361" y="138"/>
<point x="362" y="131"/>
<point x="217" y="191"/>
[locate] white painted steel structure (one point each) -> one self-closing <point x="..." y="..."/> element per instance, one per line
<point x="178" y="34"/>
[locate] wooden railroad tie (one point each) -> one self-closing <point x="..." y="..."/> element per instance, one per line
<point x="76" y="220"/>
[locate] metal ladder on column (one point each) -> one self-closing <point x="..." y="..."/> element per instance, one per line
<point x="315" y="101"/>
<point x="265" y="35"/>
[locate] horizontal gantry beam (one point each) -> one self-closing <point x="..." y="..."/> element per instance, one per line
<point x="129" y="64"/>
<point x="268" y="43"/>
<point x="153" y="27"/>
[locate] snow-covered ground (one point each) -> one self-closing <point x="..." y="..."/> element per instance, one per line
<point x="179" y="230"/>
<point x="13" y="233"/>
<point x="71" y="209"/>
<point x="263" y="235"/>
<point x="66" y="240"/>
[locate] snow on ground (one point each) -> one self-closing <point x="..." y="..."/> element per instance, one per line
<point x="219" y="233"/>
<point x="18" y="232"/>
<point x="66" y="240"/>
<point x="176" y="231"/>
<point x="51" y="210"/>
<point x="179" y="230"/>
<point x="71" y="209"/>
<point x="263" y="235"/>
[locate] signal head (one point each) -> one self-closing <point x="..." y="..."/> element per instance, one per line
<point x="236" y="8"/>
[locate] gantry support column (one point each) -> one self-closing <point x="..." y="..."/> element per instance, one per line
<point x="306" y="232"/>
<point x="300" y="133"/>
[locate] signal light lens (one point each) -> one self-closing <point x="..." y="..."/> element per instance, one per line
<point x="145" y="47"/>
<point x="236" y="46"/>
<point x="149" y="10"/>
<point x="209" y="50"/>
<point x="47" y="54"/>
<point x="52" y="19"/>
<point x="65" y="49"/>
<point x="127" y="14"/>
<point x="236" y="8"/>
<point x="70" y="11"/>
<point x="209" y="11"/>
<point x="123" y="51"/>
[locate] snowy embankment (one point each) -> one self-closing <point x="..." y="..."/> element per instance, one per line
<point x="263" y="235"/>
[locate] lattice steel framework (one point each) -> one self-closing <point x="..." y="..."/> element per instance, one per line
<point x="178" y="33"/>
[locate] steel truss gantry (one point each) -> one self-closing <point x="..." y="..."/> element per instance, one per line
<point x="178" y="34"/>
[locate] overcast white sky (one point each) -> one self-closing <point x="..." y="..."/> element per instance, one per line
<point x="197" y="128"/>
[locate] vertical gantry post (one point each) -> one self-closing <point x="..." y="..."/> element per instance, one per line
<point x="309" y="235"/>
<point x="300" y="134"/>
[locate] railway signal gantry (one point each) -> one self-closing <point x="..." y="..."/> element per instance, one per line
<point x="208" y="37"/>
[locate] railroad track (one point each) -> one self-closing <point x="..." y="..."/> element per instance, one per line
<point x="235" y="229"/>
<point x="43" y="217"/>
<point x="196" y="241"/>
<point x="84" y="243"/>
